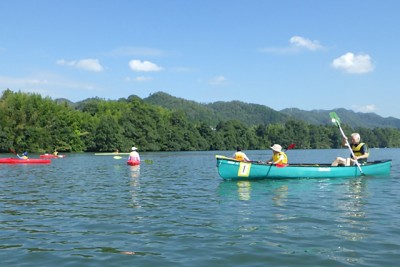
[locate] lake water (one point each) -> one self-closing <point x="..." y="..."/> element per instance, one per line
<point x="175" y="210"/>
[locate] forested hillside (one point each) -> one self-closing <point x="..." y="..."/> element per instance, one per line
<point x="195" y="112"/>
<point x="356" y="119"/>
<point x="254" y="114"/>
<point x="30" y="122"/>
<point x="213" y="113"/>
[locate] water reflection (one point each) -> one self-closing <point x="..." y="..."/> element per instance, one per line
<point x="342" y="202"/>
<point x="240" y="190"/>
<point x="353" y="223"/>
<point x="134" y="172"/>
<point x="280" y="195"/>
<point x="244" y="190"/>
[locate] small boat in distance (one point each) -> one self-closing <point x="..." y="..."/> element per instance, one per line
<point x="110" y="153"/>
<point x="24" y="161"/>
<point x="51" y="156"/>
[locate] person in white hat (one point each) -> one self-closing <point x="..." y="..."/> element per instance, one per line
<point x="134" y="155"/>
<point x="278" y="156"/>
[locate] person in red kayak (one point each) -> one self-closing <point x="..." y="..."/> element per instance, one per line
<point x="24" y="155"/>
<point x="134" y="155"/>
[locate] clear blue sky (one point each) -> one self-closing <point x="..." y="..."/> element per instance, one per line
<point x="306" y="54"/>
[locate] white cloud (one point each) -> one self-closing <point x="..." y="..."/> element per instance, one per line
<point x="365" y="108"/>
<point x="218" y="80"/>
<point x="88" y="64"/>
<point x="353" y="63"/>
<point x="302" y="42"/>
<point x="63" y="62"/>
<point x="145" y="66"/>
<point x="296" y="43"/>
<point x="21" y="82"/>
<point x="45" y="84"/>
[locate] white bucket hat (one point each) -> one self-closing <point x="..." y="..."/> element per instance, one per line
<point x="134" y="148"/>
<point x="276" y="148"/>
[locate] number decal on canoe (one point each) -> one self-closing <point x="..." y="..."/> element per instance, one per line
<point x="244" y="169"/>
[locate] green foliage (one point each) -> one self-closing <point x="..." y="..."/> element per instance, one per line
<point x="356" y="119"/>
<point x="213" y="113"/>
<point x="29" y="122"/>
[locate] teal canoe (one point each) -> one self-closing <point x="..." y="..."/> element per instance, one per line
<point x="231" y="169"/>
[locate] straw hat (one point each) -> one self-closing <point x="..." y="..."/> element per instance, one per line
<point x="276" y="148"/>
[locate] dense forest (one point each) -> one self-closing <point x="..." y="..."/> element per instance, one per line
<point x="30" y="122"/>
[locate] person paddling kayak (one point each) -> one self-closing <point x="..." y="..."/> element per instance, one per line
<point x="134" y="155"/>
<point x="24" y="155"/>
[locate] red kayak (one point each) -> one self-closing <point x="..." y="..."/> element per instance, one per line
<point x="24" y="161"/>
<point x="133" y="162"/>
<point x="51" y="156"/>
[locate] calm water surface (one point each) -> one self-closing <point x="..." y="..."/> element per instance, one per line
<point x="175" y="210"/>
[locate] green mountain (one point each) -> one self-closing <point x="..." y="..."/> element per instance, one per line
<point x="212" y="113"/>
<point x="355" y="119"/>
<point x="250" y="114"/>
<point x="194" y="111"/>
<point x="255" y="114"/>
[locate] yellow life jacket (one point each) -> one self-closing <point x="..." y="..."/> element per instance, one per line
<point x="276" y="157"/>
<point x="239" y="156"/>
<point x="357" y="152"/>
<point x="357" y="149"/>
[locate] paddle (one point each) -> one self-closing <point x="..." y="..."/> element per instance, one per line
<point x="13" y="151"/>
<point x="290" y="147"/>
<point x="335" y="119"/>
